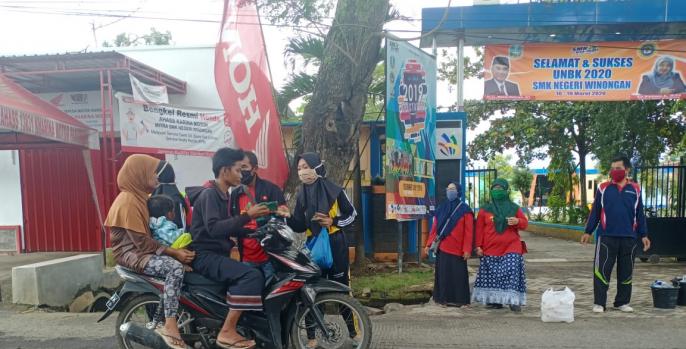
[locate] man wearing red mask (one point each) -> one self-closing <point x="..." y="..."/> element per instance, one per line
<point x="618" y="215"/>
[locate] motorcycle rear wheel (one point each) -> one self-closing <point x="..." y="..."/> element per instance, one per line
<point x="142" y="307"/>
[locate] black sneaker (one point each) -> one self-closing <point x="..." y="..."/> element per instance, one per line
<point x="516" y="308"/>
<point x="494" y="306"/>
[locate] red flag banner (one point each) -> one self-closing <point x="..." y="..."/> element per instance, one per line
<point x="241" y="73"/>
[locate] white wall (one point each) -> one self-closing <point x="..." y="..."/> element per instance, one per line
<point x="10" y="189"/>
<point x="195" y="65"/>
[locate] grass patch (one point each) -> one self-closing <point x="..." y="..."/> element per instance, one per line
<point x="412" y="286"/>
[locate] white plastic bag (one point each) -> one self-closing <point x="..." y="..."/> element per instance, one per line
<point x="557" y="306"/>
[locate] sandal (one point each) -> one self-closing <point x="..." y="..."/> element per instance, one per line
<point x="235" y="345"/>
<point x="170" y="340"/>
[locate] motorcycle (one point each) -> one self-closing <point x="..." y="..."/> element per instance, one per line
<point x="299" y="305"/>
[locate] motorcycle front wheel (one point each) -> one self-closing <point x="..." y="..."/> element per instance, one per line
<point x="346" y="321"/>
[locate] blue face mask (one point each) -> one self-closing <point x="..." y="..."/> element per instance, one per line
<point x="451" y="194"/>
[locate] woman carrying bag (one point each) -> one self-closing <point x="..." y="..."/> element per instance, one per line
<point x="323" y="207"/>
<point x="451" y="239"/>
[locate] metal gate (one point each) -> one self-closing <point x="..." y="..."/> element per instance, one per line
<point x="478" y="183"/>
<point x="58" y="208"/>
<point x="664" y="199"/>
<point x="664" y="190"/>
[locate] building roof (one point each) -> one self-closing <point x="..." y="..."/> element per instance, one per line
<point x="82" y="72"/>
<point x="26" y="119"/>
<point x="587" y="21"/>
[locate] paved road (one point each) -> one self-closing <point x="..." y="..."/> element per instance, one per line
<point x="551" y="262"/>
<point x="422" y="327"/>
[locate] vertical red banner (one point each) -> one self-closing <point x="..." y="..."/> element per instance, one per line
<point x="241" y="73"/>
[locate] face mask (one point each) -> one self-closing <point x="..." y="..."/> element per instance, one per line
<point x="308" y="176"/>
<point x="247" y="177"/>
<point x="499" y="194"/>
<point x="618" y="175"/>
<point x="451" y="194"/>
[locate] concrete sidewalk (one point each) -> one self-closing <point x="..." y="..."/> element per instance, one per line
<point x="556" y="263"/>
<point x="549" y="263"/>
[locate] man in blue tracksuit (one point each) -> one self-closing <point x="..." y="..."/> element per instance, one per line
<point x="618" y="214"/>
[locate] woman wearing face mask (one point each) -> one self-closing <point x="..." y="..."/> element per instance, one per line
<point x="168" y="187"/>
<point x="451" y="239"/>
<point x="322" y="204"/>
<point x="501" y="278"/>
<point x="133" y="245"/>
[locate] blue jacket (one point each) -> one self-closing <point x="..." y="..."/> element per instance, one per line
<point x="617" y="213"/>
<point x="164" y="231"/>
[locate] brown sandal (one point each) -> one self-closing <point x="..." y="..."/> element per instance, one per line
<point x="235" y="346"/>
<point x="170" y="340"/>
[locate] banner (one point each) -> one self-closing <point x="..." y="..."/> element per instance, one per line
<point x="605" y="71"/>
<point x="241" y="74"/>
<point x="410" y="137"/>
<point x="145" y="93"/>
<point x="44" y="126"/>
<point x="449" y="141"/>
<point x="165" y="129"/>
<point x="85" y="106"/>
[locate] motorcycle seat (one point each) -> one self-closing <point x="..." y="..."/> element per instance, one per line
<point x="197" y="281"/>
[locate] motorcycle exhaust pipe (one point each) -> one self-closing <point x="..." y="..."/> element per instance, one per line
<point x="142" y="335"/>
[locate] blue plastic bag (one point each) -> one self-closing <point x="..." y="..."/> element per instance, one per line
<point x="320" y="249"/>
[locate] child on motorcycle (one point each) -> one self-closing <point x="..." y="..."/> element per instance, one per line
<point x="133" y="246"/>
<point x="162" y="224"/>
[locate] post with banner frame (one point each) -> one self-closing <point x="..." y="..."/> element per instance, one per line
<point x="410" y="136"/>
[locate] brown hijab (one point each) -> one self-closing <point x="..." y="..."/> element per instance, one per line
<point x="130" y="209"/>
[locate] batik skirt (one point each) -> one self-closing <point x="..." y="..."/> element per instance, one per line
<point x="501" y="280"/>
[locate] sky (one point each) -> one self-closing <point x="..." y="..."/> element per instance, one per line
<point x="59" y="26"/>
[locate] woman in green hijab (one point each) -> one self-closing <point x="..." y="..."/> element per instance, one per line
<point x="501" y="278"/>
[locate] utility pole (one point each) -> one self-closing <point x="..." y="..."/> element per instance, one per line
<point x="95" y="38"/>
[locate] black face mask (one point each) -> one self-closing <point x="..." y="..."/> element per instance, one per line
<point x="247" y="177"/>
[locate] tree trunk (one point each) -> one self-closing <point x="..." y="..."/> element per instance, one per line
<point x="582" y="177"/>
<point x="332" y="117"/>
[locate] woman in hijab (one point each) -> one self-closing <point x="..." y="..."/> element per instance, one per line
<point x="168" y="187"/>
<point x="662" y="80"/>
<point x="323" y="206"/>
<point x="132" y="243"/>
<point x="451" y="239"/>
<point x="501" y="278"/>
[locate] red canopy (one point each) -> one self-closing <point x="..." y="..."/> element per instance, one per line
<point x="26" y="119"/>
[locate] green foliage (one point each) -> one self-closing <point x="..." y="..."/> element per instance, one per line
<point x="447" y="71"/>
<point x="296" y="12"/>
<point x="521" y="181"/>
<point x="501" y="163"/>
<point x="577" y="214"/>
<point x="641" y="130"/>
<point x="309" y="52"/>
<point x="393" y="286"/>
<point x="155" y="37"/>
<point x="310" y="49"/>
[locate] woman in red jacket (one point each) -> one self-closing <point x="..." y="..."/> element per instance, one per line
<point x="451" y="239"/>
<point x="501" y="278"/>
